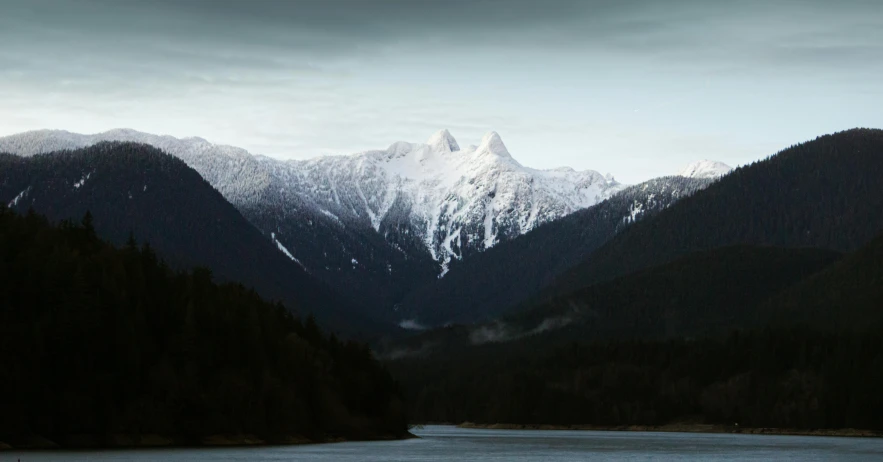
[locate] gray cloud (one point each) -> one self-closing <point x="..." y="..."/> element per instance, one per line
<point x="238" y="30"/>
<point x="643" y="79"/>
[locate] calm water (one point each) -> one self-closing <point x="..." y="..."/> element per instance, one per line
<point x="440" y="443"/>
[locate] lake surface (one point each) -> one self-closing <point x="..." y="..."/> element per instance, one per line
<point x="444" y="443"/>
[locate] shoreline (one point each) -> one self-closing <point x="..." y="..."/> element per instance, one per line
<point x="684" y="428"/>
<point x="147" y="442"/>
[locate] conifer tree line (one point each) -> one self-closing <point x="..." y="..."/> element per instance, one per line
<point x="759" y="337"/>
<point x="792" y="378"/>
<point x="102" y="341"/>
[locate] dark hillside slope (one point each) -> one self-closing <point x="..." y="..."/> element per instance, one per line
<point x="848" y="295"/>
<point x="100" y="346"/>
<point x="781" y="378"/>
<point x="825" y="193"/>
<point x="139" y="189"/>
<point x="381" y="274"/>
<point x="652" y="348"/>
<point x="705" y="293"/>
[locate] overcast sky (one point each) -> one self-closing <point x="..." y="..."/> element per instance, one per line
<point x="633" y="88"/>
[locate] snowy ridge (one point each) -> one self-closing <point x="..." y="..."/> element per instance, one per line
<point x="705" y="169"/>
<point x="456" y="201"/>
<point x="453" y="201"/>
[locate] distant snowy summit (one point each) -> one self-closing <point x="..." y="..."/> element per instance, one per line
<point x="705" y="169"/>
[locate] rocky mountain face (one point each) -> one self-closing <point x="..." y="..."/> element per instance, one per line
<point x="453" y="202"/>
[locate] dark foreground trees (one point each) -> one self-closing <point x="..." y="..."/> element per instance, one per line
<point x="762" y="337"/>
<point x="787" y="378"/>
<point x="100" y="341"/>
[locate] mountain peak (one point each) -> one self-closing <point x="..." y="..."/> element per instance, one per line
<point x="122" y="131"/>
<point x="705" y="169"/>
<point x="492" y="143"/>
<point x="443" y="141"/>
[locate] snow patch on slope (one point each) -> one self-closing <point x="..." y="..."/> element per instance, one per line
<point x="286" y="252"/>
<point x="82" y="181"/>
<point x="19" y="197"/>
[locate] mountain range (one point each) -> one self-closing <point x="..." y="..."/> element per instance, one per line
<point x="429" y="234"/>
<point x="379" y="224"/>
<point x="751" y="295"/>
<point x="450" y="201"/>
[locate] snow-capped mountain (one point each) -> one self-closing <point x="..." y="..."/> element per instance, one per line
<point x="449" y="200"/>
<point x="705" y="169"/>
<point x="454" y="201"/>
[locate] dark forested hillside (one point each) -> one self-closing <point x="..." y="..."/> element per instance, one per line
<point x="488" y="284"/>
<point x="104" y="346"/>
<point x="136" y="188"/>
<point x="705" y="293"/>
<point x="824" y="193"/>
<point x="805" y="327"/>
<point x="847" y="295"/>
<point x="736" y="335"/>
<point x="781" y="378"/>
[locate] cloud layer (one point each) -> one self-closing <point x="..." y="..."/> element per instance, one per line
<point x="632" y="87"/>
